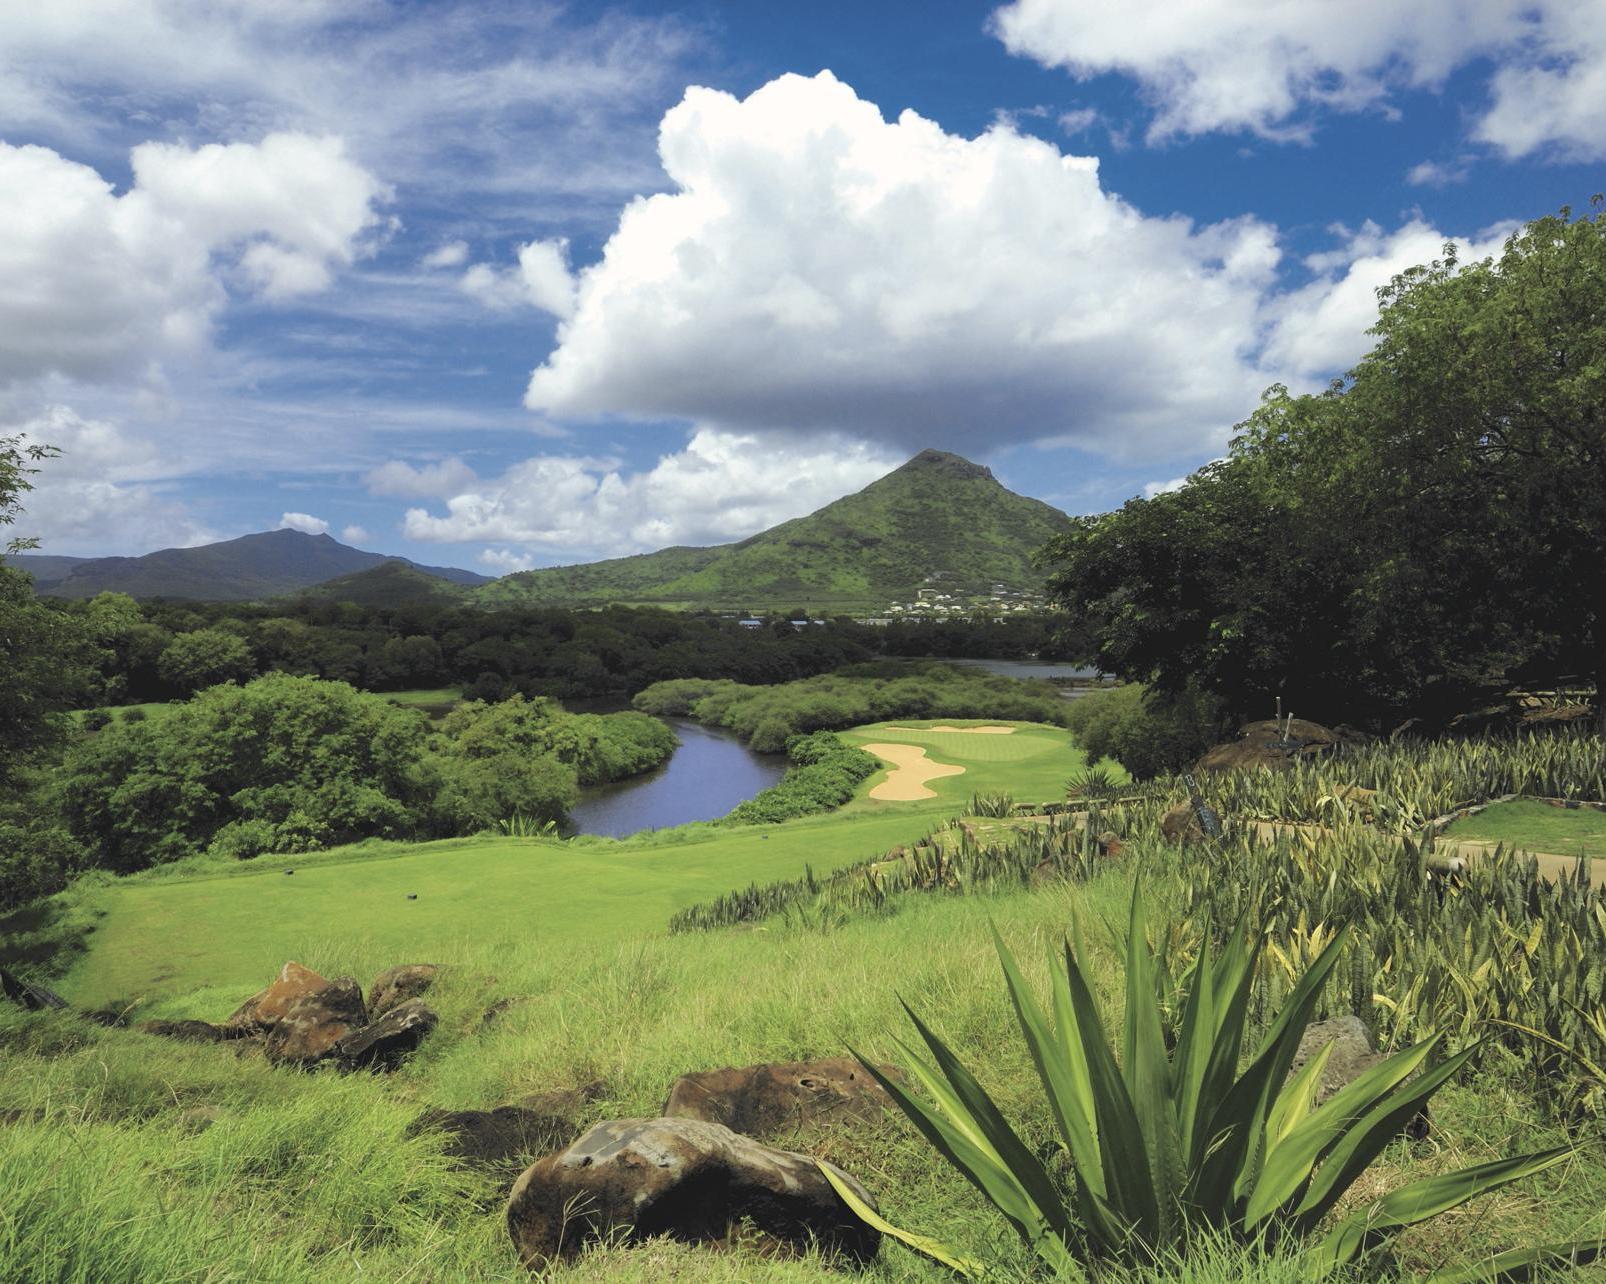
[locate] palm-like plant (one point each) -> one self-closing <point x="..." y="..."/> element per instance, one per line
<point x="1167" y="1144"/>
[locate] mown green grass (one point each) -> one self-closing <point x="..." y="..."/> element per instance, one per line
<point x="1033" y="763"/>
<point x="431" y="695"/>
<point x="1537" y="827"/>
<point x="211" y="927"/>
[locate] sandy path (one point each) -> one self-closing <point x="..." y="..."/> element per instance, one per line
<point x="906" y="782"/>
<point x="980" y="731"/>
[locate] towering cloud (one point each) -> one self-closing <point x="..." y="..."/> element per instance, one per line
<point x="817" y="267"/>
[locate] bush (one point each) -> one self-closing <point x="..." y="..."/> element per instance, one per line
<point x="134" y="715"/>
<point x="1145" y="732"/>
<point x="94" y="719"/>
<point x="824" y="774"/>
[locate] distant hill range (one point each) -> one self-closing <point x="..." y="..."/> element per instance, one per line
<point x="253" y="567"/>
<point x="939" y="519"/>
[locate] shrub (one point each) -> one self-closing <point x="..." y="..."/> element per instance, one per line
<point x="94" y="719"/>
<point x="824" y="774"/>
<point x="1145" y="732"/>
<point x="1175" y="1142"/>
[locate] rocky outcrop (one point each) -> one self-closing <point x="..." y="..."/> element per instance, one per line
<point x="314" y="1023"/>
<point x="396" y="985"/>
<point x="684" y="1178"/>
<point x="385" y="1043"/>
<point x="1272" y="744"/>
<point x="778" y="1097"/>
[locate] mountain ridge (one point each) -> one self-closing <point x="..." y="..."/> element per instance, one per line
<point x="261" y="565"/>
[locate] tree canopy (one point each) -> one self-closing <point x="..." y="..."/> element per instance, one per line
<point x="1422" y="534"/>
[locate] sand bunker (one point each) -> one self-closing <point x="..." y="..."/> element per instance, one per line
<point x="980" y="731"/>
<point x="906" y="782"/>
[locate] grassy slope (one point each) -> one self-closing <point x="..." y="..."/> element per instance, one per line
<point x="311" y="1177"/>
<point x="1537" y="827"/>
<point x="936" y="513"/>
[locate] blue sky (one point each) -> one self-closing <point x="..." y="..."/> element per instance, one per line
<point x="510" y="284"/>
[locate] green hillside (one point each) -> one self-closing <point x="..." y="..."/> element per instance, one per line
<point x="937" y="515"/>
<point x="391" y="583"/>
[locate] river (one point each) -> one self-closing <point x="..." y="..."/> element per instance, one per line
<point x="709" y="774"/>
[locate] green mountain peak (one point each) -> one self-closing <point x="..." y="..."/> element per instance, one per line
<point x="937" y="519"/>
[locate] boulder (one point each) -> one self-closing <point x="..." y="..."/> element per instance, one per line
<point x="502" y="1141"/>
<point x="685" y="1178"/>
<point x="1181" y="824"/>
<point x="396" y="985"/>
<point x="778" y="1096"/>
<point x="315" y="1023"/>
<point x="1272" y="744"/>
<point x="1353" y="1054"/>
<point x="265" y="1009"/>
<point x="188" y="1031"/>
<point x="385" y="1043"/>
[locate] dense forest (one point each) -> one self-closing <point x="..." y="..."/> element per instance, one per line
<point x="168" y="650"/>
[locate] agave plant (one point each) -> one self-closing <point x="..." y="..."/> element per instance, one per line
<point x="1166" y="1146"/>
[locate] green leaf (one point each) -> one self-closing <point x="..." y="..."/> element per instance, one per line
<point x="934" y="1249"/>
<point x="1148" y="1079"/>
<point x="1419" y="1201"/>
<point x="1521" y="1263"/>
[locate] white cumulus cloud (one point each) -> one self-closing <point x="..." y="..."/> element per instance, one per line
<point x="722" y="486"/>
<point x="1262" y="66"/>
<point x="102" y="493"/>
<point x="1319" y="330"/>
<point x="306" y="523"/>
<point x="420" y="481"/>
<point x="819" y="268"/>
<point x="542" y="280"/>
<point x="355" y="535"/>
<point x="117" y="283"/>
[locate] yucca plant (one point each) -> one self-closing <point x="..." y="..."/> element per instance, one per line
<point x="1167" y="1145"/>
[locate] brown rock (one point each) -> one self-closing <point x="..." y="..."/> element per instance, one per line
<point x="265" y="1009"/>
<point x="315" y="1023"/>
<point x="398" y="984"/>
<point x="685" y="1178"/>
<point x="189" y="1031"/>
<point x="778" y="1096"/>
<point x="1181" y="824"/>
<point x="1353" y="1055"/>
<point x="1272" y="744"/>
<point x="1110" y="843"/>
<point x="385" y="1043"/>
<point x="502" y="1141"/>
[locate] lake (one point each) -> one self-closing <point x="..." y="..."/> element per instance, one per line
<point x="709" y="774"/>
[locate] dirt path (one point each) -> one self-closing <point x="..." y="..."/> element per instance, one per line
<point x="964" y="731"/>
<point x="906" y="782"/>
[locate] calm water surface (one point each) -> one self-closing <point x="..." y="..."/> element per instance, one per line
<point x="709" y="774"/>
